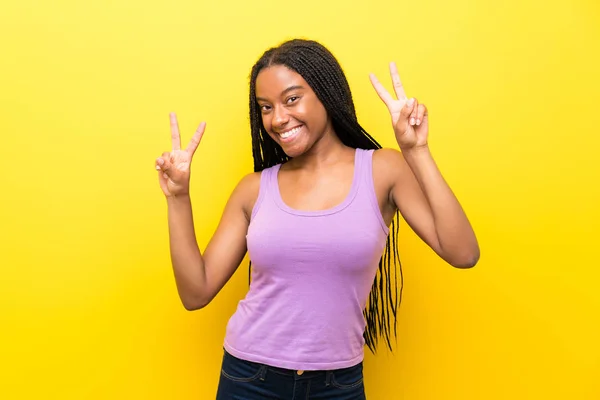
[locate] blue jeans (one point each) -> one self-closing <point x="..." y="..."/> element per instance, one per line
<point x="245" y="380"/>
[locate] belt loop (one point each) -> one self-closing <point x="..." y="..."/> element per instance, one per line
<point x="263" y="372"/>
<point x="328" y="375"/>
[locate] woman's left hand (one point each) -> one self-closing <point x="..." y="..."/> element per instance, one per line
<point x="409" y="118"/>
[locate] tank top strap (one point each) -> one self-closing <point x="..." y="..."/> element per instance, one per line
<point x="266" y="182"/>
<point x="367" y="187"/>
<point x="366" y="168"/>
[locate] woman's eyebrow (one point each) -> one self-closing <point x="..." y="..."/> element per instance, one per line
<point x="289" y="89"/>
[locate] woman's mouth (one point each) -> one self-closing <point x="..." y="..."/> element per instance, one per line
<point x="290" y="134"/>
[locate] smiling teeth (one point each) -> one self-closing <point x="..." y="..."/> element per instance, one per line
<point x="289" y="133"/>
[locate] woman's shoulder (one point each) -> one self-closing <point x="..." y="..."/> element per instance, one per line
<point x="247" y="191"/>
<point x="387" y="155"/>
<point x="249" y="185"/>
<point x="388" y="162"/>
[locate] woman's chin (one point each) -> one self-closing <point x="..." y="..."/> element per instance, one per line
<point x="294" y="150"/>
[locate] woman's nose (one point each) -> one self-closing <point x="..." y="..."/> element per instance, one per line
<point x="280" y="117"/>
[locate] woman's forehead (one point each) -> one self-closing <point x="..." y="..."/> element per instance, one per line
<point x="273" y="80"/>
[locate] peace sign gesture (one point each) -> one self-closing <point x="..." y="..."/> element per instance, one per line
<point x="174" y="167"/>
<point x="409" y="118"/>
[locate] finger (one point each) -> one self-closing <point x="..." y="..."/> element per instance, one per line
<point x="407" y="110"/>
<point x="381" y="91"/>
<point x="175" y="137"/>
<point x="160" y="162"/>
<point x="413" y="114"/>
<point x="195" y="141"/>
<point x="163" y="175"/>
<point x="163" y="163"/>
<point x="398" y="87"/>
<point x="421" y="113"/>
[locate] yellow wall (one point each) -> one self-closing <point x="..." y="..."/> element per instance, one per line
<point x="88" y="302"/>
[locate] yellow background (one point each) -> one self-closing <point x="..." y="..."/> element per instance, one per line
<point x="89" y="308"/>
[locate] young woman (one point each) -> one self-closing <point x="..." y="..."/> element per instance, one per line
<point x="314" y="218"/>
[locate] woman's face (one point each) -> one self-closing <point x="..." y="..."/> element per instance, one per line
<point x="291" y="112"/>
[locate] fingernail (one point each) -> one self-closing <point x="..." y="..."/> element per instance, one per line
<point x="410" y="102"/>
<point x="412" y="121"/>
<point x="157" y="168"/>
<point x="418" y="122"/>
<point x="160" y="161"/>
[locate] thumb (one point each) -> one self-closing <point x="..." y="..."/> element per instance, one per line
<point x="407" y="109"/>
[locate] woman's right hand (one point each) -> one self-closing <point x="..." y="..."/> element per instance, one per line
<point x="174" y="167"/>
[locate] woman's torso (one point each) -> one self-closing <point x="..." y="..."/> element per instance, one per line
<point x="315" y="247"/>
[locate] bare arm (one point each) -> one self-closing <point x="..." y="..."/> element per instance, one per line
<point x="456" y="241"/>
<point x="418" y="189"/>
<point x="199" y="277"/>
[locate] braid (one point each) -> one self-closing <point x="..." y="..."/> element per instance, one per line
<point x="323" y="73"/>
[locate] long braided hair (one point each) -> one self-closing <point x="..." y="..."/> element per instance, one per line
<point x="324" y="75"/>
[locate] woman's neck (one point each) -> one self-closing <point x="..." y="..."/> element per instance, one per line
<point x="328" y="150"/>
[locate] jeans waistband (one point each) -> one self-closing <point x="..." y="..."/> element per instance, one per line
<point x="293" y="372"/>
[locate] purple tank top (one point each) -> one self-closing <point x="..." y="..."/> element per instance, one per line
<point x="312" y="273"/>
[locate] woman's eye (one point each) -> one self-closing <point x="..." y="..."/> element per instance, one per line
<point x="292" y="99"/>
<point x="265" y="108"/>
